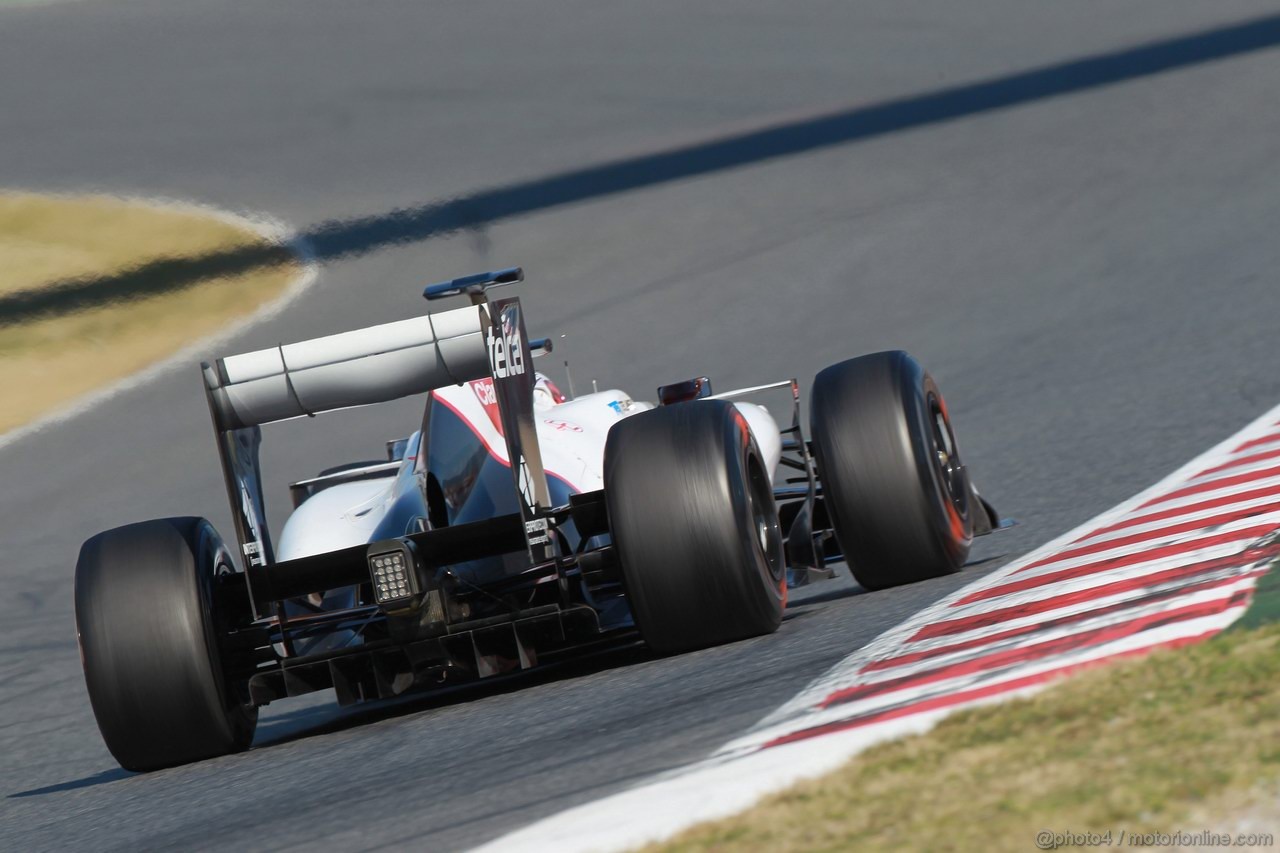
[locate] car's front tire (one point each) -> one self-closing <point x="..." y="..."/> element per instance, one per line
<point x="692" y="517"/>
<point x="149" y="636"/>
<point x="898" y="497"/>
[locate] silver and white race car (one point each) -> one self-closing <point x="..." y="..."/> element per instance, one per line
<point x="512" y="527"/>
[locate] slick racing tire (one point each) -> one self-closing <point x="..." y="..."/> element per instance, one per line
<point x="694" y="525"/>
<point x="148" y="632"/>
<point x="898" y="497"/>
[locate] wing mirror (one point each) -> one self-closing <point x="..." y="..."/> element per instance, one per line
<point x="681" y="392"/>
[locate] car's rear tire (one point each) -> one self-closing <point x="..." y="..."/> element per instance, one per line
<point x="149" y="640"/>
<point x="692" y="517"/>
<point x="898" y="497"/>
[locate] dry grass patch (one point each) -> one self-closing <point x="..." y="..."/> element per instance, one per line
<point x="1142" y="746"/>
<point x="49" y="360"/>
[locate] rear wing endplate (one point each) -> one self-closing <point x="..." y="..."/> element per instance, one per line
<point x="373" y="365"/>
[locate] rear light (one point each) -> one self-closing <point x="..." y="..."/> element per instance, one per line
<point x="393" y="571"/>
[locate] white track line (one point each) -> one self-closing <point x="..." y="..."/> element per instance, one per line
<point x="716" y="788"/>
<point x="1102" y="612"/>
<point x="886" y="671"/>
<point x="1236" y="469"/>
<point x="1200" y="497"/>
<point x="1090" y="577"/>
<point x="742" y="771"/>
<point x="1197" y="515"/>
<point x="1071" y="658"/>
<point x="268" y="228"/>
<point x="1271" y="442"/>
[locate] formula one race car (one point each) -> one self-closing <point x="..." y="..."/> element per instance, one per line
<point x="512" y="527"/>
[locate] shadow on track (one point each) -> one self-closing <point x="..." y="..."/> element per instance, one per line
<point x="328" y="719"/>
<point x="100" y="778"/>
<point x="303" y="723"/>
<point x="341" y="238"/>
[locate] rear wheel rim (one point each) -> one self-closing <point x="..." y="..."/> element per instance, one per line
<point x="946" y="457"/>
<point x="766" y="531"/>
<point x="218" y="628"/>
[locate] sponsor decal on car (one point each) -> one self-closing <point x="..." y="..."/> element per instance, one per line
<point x="562" y="426"/>
<point x="536" y="531"/>
<point x="506" y="352"/>
<point x="526" y="484"/>
<point x="488" y="397"/>
<point x="484" y="392"/>
<point x="253" y="554"/>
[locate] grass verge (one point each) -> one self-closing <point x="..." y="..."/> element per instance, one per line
<point x="1264" y="607"/>
<point x="47" y="242"/>
<point x="1174" y="741"/>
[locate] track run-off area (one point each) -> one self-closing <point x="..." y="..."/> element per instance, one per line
<point x="1067" y="214"/>
<point x="1176" y="564"/>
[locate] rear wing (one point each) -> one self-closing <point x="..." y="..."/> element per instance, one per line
<point x="353" y="368"/>
<point x="374" y="365"/>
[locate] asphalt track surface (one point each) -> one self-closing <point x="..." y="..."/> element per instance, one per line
<point x="1067" y="211"/>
